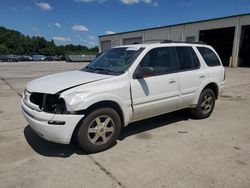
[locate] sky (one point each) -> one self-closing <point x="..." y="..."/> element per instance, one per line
<point x="82" y="21"/>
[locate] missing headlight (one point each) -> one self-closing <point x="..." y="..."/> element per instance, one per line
<point x="37" y="98"/>
<point x="54" y="104"/>
<point x="49" y="103"/>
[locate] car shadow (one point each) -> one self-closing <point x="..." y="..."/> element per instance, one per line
<point x="50" y="149"/>
<point x="153" y="123"/>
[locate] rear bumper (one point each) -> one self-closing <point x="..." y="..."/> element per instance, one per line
<point x="51" y="132"/>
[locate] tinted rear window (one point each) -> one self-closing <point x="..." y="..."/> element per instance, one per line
<point x="188" y="60"/>
<point x="209" y="56"/>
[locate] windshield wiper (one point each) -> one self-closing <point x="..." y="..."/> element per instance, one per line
<point x="89" y="68"/>
<point x="101" y="69"/>
<point x="93" y="69"/>
<point x="105" y="70"/>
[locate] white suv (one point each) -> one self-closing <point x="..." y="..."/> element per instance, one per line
<point x="123" y="85"/>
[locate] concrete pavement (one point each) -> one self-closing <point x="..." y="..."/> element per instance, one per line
<point x="166" y="151"/>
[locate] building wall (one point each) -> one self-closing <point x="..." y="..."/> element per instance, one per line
<point x="132" y="35"/>
<point x="181" y="32"/>
<point x="156" y="34"/>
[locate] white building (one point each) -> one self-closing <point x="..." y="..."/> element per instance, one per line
<point x="230" y="36"/>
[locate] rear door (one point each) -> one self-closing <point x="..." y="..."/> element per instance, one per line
<point x="215" y="68"/>
<point x="158" y="93"/>
<point x="191" y="75"/>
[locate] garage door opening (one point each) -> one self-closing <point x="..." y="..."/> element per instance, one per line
<point x="221" y="40"/>
<point x="244" y="55"/>
<point x="105" y="45"/>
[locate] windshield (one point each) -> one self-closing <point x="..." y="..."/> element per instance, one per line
<point x="114" y="61"/>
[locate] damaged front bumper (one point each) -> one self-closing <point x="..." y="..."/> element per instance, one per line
<point x="52" y="127"/>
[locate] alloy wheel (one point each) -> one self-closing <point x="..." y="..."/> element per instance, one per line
<point x="101" y="130"/>
<point x="207" y="104"/>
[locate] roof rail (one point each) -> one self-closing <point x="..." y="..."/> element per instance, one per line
<point x="167" y="41"/>
<point x="172" y="41"/>
<point x="149" y="41"/>
<point x="152" y="40"/>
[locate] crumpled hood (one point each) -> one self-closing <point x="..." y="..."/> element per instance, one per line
<point x="57" y="82"/>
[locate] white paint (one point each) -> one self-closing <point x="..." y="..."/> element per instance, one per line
<point x="151" y="96"/>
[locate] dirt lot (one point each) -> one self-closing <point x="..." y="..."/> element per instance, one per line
<point x="166" y="151"/>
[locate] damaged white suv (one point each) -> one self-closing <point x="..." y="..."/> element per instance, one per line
<point x="123" y="85"/>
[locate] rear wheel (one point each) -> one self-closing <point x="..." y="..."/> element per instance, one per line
<point x="99" y="130"/>
<point x="205" y="105"/>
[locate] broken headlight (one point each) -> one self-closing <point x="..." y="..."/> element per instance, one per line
<point x="49" y="103"/>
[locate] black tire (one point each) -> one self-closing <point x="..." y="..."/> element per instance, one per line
<point x="201" y="111"/>
<point x="85" y="138"/>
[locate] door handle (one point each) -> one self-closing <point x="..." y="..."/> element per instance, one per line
<point x="202" y="76"/>
<point x="172" y="81"/>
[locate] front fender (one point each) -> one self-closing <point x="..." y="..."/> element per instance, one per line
<point x="86" y="100"/>
<point x="116" y="89"/>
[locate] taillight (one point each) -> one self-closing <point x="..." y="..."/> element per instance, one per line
<point x="224" y="75"/>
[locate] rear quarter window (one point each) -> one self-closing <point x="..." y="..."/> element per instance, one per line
<point x="209" y="57"/>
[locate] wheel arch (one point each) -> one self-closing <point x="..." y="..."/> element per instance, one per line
<point x="214" y="87"/>
<point x="101" y="104"/>
<point x="211" y="85"/>
<point x="107" y="104"/>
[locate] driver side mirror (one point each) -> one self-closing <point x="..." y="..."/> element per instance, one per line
<point x="144" y="72"/>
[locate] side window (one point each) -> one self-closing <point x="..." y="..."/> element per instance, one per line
<point x="188" y="59"/>
<point x="209" y="56"/>
<point x="162" y="60"/>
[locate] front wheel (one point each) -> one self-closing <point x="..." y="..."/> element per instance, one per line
<point x="99" y="130"/>
<point x="205" y="105"/>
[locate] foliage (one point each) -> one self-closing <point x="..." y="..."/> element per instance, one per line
<point x="13" y="42"/>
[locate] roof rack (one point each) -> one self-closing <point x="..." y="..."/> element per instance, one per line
<point x="162" y="41"/>
<point x="152" y="40"/>
<point x="149" y="41"/>
<point x="172" y="41"/>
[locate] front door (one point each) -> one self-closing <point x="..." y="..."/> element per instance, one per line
<point x="156" y="93"/>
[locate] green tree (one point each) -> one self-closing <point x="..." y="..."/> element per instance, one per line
<point x="13" y="42"/>
<point x="3" y="49"/>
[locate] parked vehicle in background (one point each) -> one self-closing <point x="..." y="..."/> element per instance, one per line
<point x="38" y="57"/>
<point x="53" y="58"/>
<point x="19" y="58"/>
<point x="123" y="85"/>
<point x="3" y="58"/>
<point x="24" y="58"/>
<point x="80" y="58"/>
<point x="9" y="58"/>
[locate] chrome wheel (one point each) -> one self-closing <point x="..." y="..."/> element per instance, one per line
<point x="101" y="130"/>
<point x="207" y="104"/>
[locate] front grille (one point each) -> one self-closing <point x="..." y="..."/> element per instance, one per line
<point x="48" y="102"/>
